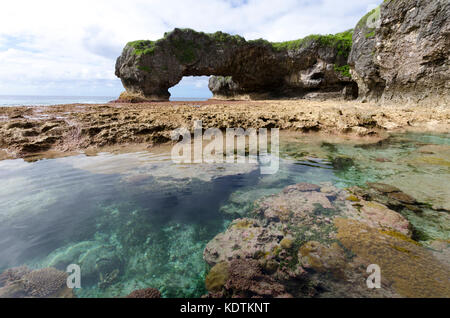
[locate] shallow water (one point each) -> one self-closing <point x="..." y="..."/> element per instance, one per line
<point x="14" y="100"/>
<point x="137" y="220"/>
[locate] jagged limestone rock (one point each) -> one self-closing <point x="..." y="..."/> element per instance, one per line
<point x="400" y="53"/>
<point x="251" y="69"/>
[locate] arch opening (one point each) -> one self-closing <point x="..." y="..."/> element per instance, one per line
<point x="191" y="88"/>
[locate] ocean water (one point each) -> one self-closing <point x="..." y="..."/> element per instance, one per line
<point x="11" y="100"/>
<point x="148" y="220"/>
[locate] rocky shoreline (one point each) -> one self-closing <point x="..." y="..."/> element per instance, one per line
<point x="46" y="131"/>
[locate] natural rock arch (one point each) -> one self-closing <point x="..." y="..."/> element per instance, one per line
<point x="246" y="69"/>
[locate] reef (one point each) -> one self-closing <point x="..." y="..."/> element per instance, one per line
<point x="251" y="69"/>
<point x="145" y="293"/>
<point x="23" y="282"/>
<point x="61" y="130"/>
<point x="318" y="241"/>
<point x="400" y="53"/>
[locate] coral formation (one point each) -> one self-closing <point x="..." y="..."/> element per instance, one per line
<point x="413" y="271"/>
<point x="41" y="283"/>
<point x="145" y="293"/>
<point x="90" y="127"/>
<point x="245" y="279"/>
<point x="311" y="240"/>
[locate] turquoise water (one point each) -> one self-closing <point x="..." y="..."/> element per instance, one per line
<point x="137" y="220"/>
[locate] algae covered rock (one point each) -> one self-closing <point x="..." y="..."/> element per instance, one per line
<point x="318" y="241"/>
<point x="246" y="239"/>
<point x="412" y="270"/>
<point x="243" y="279"/>
<point x="251" y="69"/>
<point x="217" y="277"/>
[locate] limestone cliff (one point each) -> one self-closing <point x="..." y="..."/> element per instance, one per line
<point x="401" y="53"/>
<point x="398" y="53"/>
<point x="251" y="69"/>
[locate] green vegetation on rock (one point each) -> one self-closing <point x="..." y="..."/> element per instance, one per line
<point x="144" y="68"/>
<point x="186" y="49"/>
<point x="342" y="41"/>
<point x="344" y="70"/>
<point x="370" y="32"/>
<point x="142" y="47"/>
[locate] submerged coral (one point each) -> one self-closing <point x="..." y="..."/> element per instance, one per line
<point x="145" y="293"/>
<point x="244" y="279"/>
<point x="138" y="226"/>
<point x="413" y="270"/>
<point x="313" y="240"/>
<point x="40" y="283"/>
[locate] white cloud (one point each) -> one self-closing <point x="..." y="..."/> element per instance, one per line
<point x="69" y="47"/>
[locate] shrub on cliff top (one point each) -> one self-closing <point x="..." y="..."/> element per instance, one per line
<point x="342" y="41"/>
<point x="185" y="50"/>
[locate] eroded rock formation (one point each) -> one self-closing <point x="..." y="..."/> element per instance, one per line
<point x="318" y="241"/>
<point x="401" y="52"/>
<point x="251" y="69"/>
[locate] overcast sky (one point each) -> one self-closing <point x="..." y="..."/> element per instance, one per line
<point x="69" y="47"/>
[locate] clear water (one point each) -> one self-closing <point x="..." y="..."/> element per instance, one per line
<point x="149" y="220"/>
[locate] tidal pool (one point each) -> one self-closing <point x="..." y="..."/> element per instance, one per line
<point x="137" y="220"/>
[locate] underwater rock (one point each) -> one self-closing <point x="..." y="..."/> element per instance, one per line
<point x="302" y="187"/>
<point x="108" y="279"/>
<point x="245" y="279"/>
<point x="342" y="163"/>
<point x="241" y="202"/>
<point x="383" y="188"/>
<point x="296" y="204"/>
<point x="427" y="222"/>
<point x="323" y="259"/>
<point x="63" y="257"/>
<point x="145" y="293"/>
<point x="402" y="197"/>
<point x="377" y="215"/>
<point x="217" y="277"/>
<point x="94" y="258"/>
<point x="287" y="243"/>
<point x="412" y="270"/>
<point x="245" y="238"/>
<point x="253" y="69"/>
<point x="296" y="238"/>
<point x="389" y="195"/>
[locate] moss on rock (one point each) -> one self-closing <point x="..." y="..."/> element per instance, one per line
<point x="217" y="277"/>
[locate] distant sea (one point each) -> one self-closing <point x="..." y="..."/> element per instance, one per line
<point x="10" y="100"/>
